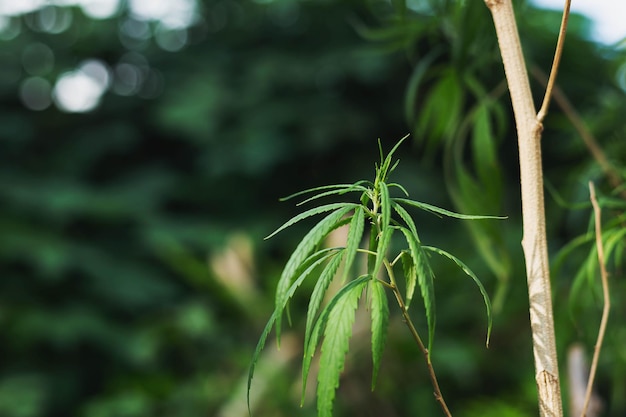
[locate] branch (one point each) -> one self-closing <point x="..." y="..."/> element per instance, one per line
<point x="555" y="63"/>
<point x="418" y="339"/>
<point x="577" y="121"/>
<point x="605" y="294"/>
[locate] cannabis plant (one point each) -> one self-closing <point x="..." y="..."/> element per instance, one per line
<point x="376" y="217"/>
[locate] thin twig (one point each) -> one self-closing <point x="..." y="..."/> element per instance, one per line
<point x="605" y="294"/>
<point x="579" y="125"/>
<point x="555" y="62"/>
<point x="418" y="339"/>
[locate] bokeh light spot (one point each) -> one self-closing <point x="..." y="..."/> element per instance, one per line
<point x="38" y="59"/>
<point x="10" y="27"/>
<point x="100" y="9"/>
<point x="35" y="93"/>
<point x="81" y="90"/>
<point x="127" y="79"/>
<point x="171" y="40"/>
<point x="50" y="19"/>
<point x="173" y="14"/>
<point x="130" y="74"/>
<point x="17" y="7"/>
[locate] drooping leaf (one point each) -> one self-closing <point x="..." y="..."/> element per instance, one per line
<point x="257" y="353"/>
<point x="302" y="251"/>
<point x="410" y="275"/>
<point x="380" y="322"/>
<point x="441" y="112"/>
<point x="415" y="82"/>
<point x="339" y="188"/>
<point x="425" y="279"/>
<point x="444" y="212"/>
<point x="404" y="215"/>
<point x="314" y="261"/>
<point x="471" y="274"/>
<point x="484" y="150"/>
<point x="337" y="334"/>
<point x="317" y="296"/>
<point x="396" y="185"/>
<point x="320" y="326"/>
<point x="312" y="212"/>
<point x="355" y="187"/>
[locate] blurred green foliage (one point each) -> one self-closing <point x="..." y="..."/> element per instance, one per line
<point x="135" y="279"/>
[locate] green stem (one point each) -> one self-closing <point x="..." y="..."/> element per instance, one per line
<point x="417" y="338"/>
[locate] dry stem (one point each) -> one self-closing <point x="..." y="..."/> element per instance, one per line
<point x="555" y="63"/>
<point x="605" y="294"/>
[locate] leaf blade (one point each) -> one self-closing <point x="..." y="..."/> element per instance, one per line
<point x="471" y="274"/>
<point x="311" y="212"/>
<point x="380" y="323"/>
<point x="335" y="344"/>
<point x="304" y="248"/>
<point x="440" y="211"/>
<point x="425" y="280"/>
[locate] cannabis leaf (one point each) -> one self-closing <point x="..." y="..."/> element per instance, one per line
<point x="330" y="324"/>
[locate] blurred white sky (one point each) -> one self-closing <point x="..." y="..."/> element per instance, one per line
<point x="609" y="16"/>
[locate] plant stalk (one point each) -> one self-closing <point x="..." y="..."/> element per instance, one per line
<point x="534" y="242"/>
<point x="407" y="319"/>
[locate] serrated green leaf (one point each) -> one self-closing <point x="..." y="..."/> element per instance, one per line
<point x="313" y="262"/>
<point x="355" y="234"/>
<point x="257" y="353"/>
<point x="317" y="296"/>
<point x="335" y="345"/>
<point x="425" y="278"/>
<point x="410" y="275"/>
<point x="312" y="212"/>
<point x="444" y="212"/>
<point x="379" y="310"/>
<point x="471" y="274"/>
<point x="396" y="185"/>
<point x="302" y="251"/>
<point x="405" y="216"/>
<point x="340" y="188"/>
<point x="319" y="327"/>
<point x="381" y="250"/>
<point x="354" y="187"/>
